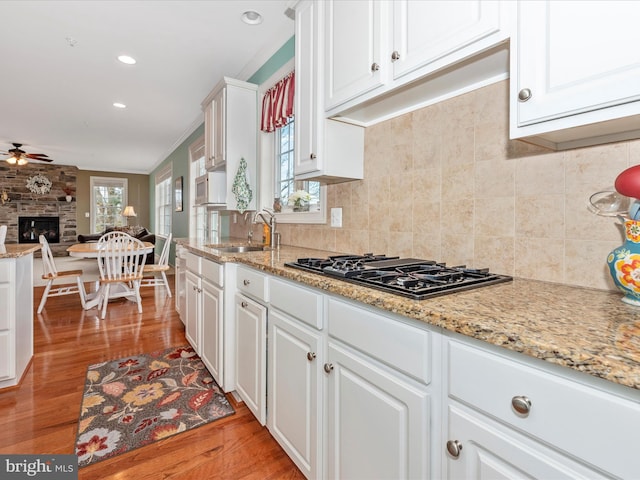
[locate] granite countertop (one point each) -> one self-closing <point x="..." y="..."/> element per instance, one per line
<point x="15" y="250"/>
<point x="588" y="330"/>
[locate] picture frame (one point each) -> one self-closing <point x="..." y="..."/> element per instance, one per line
<point x="178" y="194"/>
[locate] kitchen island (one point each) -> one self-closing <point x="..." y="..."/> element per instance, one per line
<point x="587" y="330"/>
<point x="16" y="311"/>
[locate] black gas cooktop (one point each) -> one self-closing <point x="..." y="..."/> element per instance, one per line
<point x="411" y="277"/>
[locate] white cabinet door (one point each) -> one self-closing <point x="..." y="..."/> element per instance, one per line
<point x="251" y="353"/>
<point x="325" y="150"/>
<point x="424" y="32"/>
<point x="219" y="105"/>
<point x="479" y="449"/>
<point x="308" y="15"/>
<point x="355" y="33"/>
<point x="192" y="307"/>
<point x="209" y="127"/>
<point x="574" y="62"/>
<point x="378" y="424"/>
<point x="212" y="330"/>
<point x="295" y="360"/>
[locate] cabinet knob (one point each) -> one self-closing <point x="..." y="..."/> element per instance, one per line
<point x="328" y="367"/>
<point x="311" y="356"/>
<point x="312" y="156"/>
<point x="395" y="55"/>
<point x="521" y="404"/>
<point x="375" y="67"/>
<point x="246" y="283"/>
<point x="524" y="94"/>
<point x="454" y="447"/>
<point x="244" y="304"/>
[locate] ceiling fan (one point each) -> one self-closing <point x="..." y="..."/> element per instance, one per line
<point x="16" y="155"/>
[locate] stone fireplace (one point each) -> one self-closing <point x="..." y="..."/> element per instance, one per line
<point x="25" y="204"/>
<point x="30" y="229"/>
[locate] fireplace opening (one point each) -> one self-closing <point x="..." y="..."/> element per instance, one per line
<point x="30" y="229"/>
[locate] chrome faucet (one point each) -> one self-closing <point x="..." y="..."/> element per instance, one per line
<point x="250" y="232"/>
<point x="270" y="222"/>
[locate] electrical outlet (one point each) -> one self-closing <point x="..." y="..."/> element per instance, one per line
<point x="336" y="217"/>
<point x="87" y="214"/>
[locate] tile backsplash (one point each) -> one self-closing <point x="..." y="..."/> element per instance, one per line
<point x="446" y="183"/>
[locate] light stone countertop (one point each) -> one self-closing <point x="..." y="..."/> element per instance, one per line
<point x="15" y="250"/>
<point x="588" y="330"/>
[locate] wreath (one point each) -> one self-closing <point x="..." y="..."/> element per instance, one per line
<point x="39" y="184"/>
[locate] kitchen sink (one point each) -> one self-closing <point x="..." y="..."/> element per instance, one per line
<point x="241" y="248"/>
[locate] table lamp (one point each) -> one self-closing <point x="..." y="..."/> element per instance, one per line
<point x="129" y="212"/>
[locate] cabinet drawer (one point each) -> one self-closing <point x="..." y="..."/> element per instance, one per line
<point x="194" y="263"/>
<point x="402" y="346"/>
<point x="253" y="283"/>
<point x="584" y="421"/>
<point x="212" y="271"/>
<point x="299" y="302"/>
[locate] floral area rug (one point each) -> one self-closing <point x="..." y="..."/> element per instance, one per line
<point x="135" y="401"/>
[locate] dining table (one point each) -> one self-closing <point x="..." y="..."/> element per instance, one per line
<point x="90" y="250"/>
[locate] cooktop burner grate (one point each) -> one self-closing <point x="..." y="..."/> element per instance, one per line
<point x="410" y="277"/>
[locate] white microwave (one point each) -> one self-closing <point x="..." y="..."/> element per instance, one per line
<point x="211" y="188"/>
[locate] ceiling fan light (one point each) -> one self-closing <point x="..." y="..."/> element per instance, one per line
<point x="22" y="161"/>
<point x="12" y="160"/>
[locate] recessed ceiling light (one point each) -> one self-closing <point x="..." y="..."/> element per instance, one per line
<point x="127" y="59"/>
<point x="251" y="17"/>
<point x="119" y="105"/>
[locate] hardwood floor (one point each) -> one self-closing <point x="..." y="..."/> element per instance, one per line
<point x="41" y="415"/>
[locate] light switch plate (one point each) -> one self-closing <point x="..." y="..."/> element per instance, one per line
<point x="336" y="217"/>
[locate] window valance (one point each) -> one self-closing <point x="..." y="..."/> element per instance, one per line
<point x="277" y="104"/>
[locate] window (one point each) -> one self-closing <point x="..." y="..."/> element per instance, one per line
<point x="287" y="187"/>
<point x="163" y="199"/>
<point x="203" y="224"/>
<point x="108" y="199"/>
<point x="277" y="151"/>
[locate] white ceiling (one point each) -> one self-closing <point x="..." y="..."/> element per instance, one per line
<point x="57" y="99"/>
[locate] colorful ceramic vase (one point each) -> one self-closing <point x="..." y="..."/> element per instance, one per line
<point x="624" y="264"/>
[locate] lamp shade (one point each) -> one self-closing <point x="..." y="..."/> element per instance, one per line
<point x="129" y="212"/>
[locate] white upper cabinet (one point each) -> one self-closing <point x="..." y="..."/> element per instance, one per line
<point x="575" y="73"/>
<point x="326" y="150"/>
<point x="425" y="32"/>
<point x="354" y="51"/>
<point x="374" y="47"/>
<point x="231" y="131"/>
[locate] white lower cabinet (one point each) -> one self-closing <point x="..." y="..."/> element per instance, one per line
<point x="193" y="287"/>
<point x="378" y="423"/>
<point x="204" y="313"/>
<point x="524" y="418"/>
<point x="293" y="401"/>
<point x="354" y="392"/>
<point x="251" y="338"/>
<point x="212" y="348"/>
<point x="483" y="449"/>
